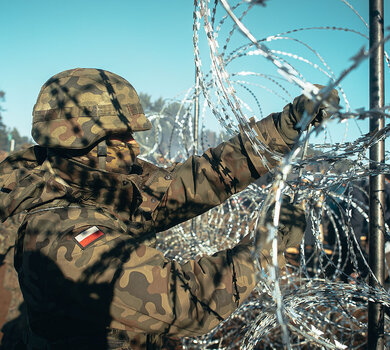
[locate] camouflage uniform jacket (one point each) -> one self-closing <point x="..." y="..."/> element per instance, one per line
<point x="85" y="251"/>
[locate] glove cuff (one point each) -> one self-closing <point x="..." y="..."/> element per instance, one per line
<point x="285" y="123"/>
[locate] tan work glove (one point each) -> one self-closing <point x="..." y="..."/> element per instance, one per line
<point x="292" y="225"/>
<point x="286" y="121"/>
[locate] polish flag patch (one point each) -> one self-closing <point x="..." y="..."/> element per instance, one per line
<point x="87" y="237"/>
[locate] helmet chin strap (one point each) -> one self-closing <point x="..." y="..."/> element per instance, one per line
<point x="102" y="154"/>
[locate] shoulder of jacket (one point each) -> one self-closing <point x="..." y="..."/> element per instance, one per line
<point x="156" y="182"/>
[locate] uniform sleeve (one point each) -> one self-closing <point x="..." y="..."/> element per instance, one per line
<point x="203" y="182"/>
<point x="156" y="295"/>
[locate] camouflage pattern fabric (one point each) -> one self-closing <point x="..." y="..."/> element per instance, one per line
<point x="78" y="107"/>
<point x="202" y="183"/>
<point x="117" y="280"/>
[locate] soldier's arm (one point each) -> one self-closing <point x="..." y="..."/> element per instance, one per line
<point x="157" y="295"/>
<point x="203" y="182"/>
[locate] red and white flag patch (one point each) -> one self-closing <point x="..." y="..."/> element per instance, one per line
<point x="88" y="236"/>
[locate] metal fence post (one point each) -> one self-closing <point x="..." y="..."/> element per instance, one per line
<point x="377" y="185"/>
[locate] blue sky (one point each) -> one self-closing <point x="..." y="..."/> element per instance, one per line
<point x="150" y="44"/>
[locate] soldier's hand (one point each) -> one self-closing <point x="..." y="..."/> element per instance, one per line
<point x="287" y="121"/>
<point x="291" y="228"/>
<point x="292" y="224"/>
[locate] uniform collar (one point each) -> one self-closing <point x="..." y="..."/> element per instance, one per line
<point x="116" y="191"/>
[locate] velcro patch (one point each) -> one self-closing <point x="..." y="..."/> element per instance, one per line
<point x="87" y="237"/>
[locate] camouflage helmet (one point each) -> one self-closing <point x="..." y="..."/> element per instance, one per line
<point x="78" y="107"/>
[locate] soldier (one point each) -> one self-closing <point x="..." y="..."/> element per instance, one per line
<point x="88" y="268"/>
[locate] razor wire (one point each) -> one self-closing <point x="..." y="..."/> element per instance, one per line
<point x="319" y="299"/>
